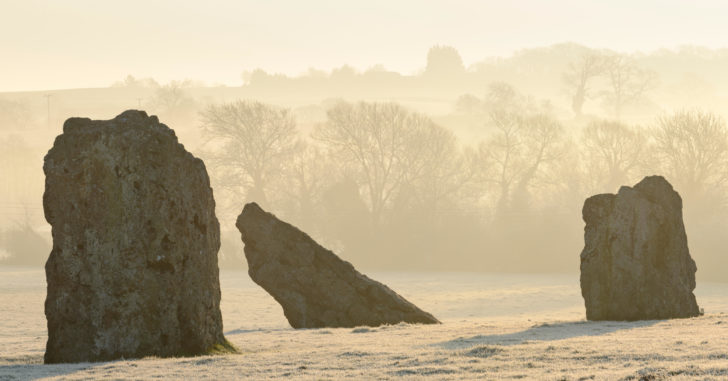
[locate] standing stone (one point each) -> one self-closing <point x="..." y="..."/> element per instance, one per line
<point x="315" y="287"/>
<point x="635" y="264"/>
<point x="133" y="271"/>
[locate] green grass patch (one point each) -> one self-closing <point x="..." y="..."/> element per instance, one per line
<point x="223" y="348"/>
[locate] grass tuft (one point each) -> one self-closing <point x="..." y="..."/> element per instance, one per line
<point x="225" y="347"/>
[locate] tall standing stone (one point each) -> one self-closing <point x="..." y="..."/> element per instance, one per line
<point x="635" y="264"/>
<point x="314" y="286"/>
<point x="133" y="271"/>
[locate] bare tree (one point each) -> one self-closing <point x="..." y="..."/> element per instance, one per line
<point x="627" y="83"/>
<point x="613" y="154"/>
<point x="383" y="142"/>
<point x="445" y="169"/>
<point x="503" y="151"/>
<point x="580" y="76"/>
<point x="502" y="98"/>
<point x="543" y="138"/>
<point x="172" y="102"/>
<point x="692" y="149"/>
<point x="306" y="175"/>
<point x="520" y="150"/>
<point x="250" y="143"/>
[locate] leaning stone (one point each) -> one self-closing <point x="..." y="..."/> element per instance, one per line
<point x="133" y="270"/>
<point x="315" y="287"/>
<point x="635" y="264"/>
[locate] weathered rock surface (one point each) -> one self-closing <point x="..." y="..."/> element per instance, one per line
<point x="133" y="271"/>
<point x="635" y="264"/>
<point x="314" y="286"/>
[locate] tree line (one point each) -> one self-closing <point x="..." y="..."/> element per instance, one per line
<point x="390" y="188"/>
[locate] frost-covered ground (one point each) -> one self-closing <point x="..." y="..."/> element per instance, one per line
<point x="494" y="327"/>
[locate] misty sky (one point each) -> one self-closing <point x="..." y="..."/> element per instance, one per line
<point x="91" y="43"/>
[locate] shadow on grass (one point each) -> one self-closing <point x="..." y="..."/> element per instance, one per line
<point x="241" y="331"/>
<point x="31" y="367"/>
<point x="547" y="332"/>
<point x="34" y="369"/>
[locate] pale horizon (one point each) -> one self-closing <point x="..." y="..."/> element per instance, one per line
<point x="85" y="44"/>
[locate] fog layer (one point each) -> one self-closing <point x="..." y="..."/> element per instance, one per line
<point x="472" y="168"/>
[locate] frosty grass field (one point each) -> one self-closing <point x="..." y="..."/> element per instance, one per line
<point x="494" y="327"/>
